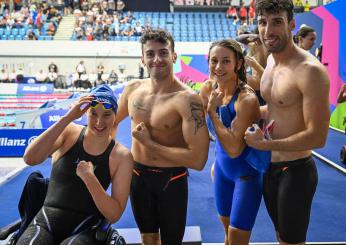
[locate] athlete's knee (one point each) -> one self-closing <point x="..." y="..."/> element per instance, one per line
<point x="238" y="237"/>
<point x="226" y="222"/>
<point x="151" y="239"/>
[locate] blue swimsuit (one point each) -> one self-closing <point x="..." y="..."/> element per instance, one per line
<point x="237" y="184"/>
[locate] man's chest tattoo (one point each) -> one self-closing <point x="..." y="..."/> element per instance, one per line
<point x="139" y="105"/>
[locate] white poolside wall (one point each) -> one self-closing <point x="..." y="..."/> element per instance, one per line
<point x="35" y="55"/>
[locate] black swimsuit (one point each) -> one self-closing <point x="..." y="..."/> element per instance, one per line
<point x="69" y="211"/>
<point x="288" y="191"/>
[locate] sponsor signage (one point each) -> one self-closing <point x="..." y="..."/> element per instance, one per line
<point x="13" y="142"/>
<point x="49" y="118"/>
<point x="35" y="88"/>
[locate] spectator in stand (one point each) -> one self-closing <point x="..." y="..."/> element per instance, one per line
<point x="232" y="13"/>
<point x="89" y="33"/>
<point x="122" y="75"/>
<point x="67" y="8"/>
<point x="120" y="7"/>
<point x="79" y="33"/>
<point x="31" y="35"/>
<point x="80" y="69"/>
<point x="243" y="13"/>
<point x="209" y="2"/>
<point x="50" y="29"/>
<point x="38" y="20"/>
<point x="298" y="6"/>
<point x="104" y="7"/>
<point x="128" y="31"/>
<point x="98" y="30"/>
<point x="147" y="26"/>
<point x="100" y="71"/>
<point x="130" y="16"/>
<point x="125" y="20"/>
<point x="20" y="76"/>
<point x="53" y="15"/>
<point x="113" y="77"/>
<point x="178" y="2"/>
<point x="52" y="67"/>
<point x="2" y="7"/>
<point x="307" y="6"/>
<point x="252" y="14"/>
<point x="138" y="29"/>
<point x="111" y="7"/>
<point x="29" y="21"/>
<point x="52" y="77"/>
<point x="41" y="77"/>
<point x="4" y="76"/>
<point x="12" y="76"/>
<point x="298" y="3"/>
<point x="3" y="22"/>
<point x="76" y="4"/>
<point x="140" y="70"/>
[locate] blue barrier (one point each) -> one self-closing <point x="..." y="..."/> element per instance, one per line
<point x="49" y="118"/>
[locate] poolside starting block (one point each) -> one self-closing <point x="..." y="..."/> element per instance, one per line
<point x="192" y="236"/>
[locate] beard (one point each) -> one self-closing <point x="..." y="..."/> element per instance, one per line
<point x="279" y="46"/>
<point x="158" y="74"/>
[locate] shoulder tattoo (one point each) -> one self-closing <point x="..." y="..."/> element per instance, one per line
<point x="197" y="115"/>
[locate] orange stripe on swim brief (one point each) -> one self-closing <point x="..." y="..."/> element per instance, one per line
<point x="178" y="176"/>
<point x="136" y="173"/>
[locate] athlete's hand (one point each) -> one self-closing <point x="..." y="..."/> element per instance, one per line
<point x="141" y="133"/>
<point x="84" y="169"/>
<point x="254" y="137"/>
<point x="215" y="100"/>
<point x="79" y="108"/>
<point x="250" y="61"/>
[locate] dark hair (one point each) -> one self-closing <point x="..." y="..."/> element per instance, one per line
<point x="236" y="48"/>
<point x="302" y="32"/>
<point x="274" y="7"/>
<point x="157" y="35"/>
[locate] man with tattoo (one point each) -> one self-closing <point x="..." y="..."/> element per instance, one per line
<point x="295" y="86"/>
<point x="169" y="135"/>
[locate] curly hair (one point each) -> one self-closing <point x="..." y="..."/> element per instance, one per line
<point x="236" y="48"/>
<point x="157" y="35"/>
<point x="274" y="7"/>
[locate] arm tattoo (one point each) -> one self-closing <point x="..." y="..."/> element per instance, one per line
<point x="139" y="105"/>
<point x="197" y="115"/>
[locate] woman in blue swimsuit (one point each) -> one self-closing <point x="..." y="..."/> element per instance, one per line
<point x="232" y="107"/>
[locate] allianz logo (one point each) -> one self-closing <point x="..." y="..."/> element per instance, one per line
<point x="4" y="141"/>
<point x="33" y="88"/>
<point x="54" y="118"/>
<point x="12" y="142"/>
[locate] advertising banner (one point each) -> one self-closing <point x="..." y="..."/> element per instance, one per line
<point x="13" y="142"/>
